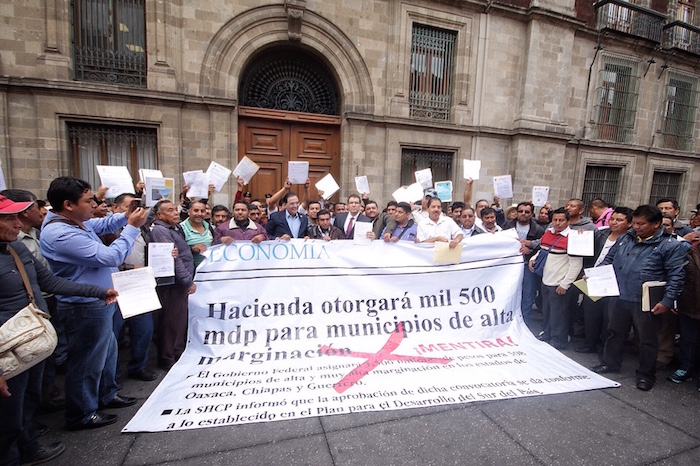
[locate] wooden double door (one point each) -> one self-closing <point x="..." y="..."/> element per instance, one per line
<point x="273" y="138"/>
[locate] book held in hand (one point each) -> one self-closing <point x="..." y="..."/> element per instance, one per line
<point x="652" y="294"/>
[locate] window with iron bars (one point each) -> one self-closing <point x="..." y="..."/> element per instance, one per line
<point x="109" y="41"/>
<point x="92" y="145"/>
<point x="413" y="160"/>
<point x="432" y="62"/>
<point x="680" y="111"/>
<point x="601" y="182"/>
<point x="665" y="185"/>
<point x="617" y="100"/>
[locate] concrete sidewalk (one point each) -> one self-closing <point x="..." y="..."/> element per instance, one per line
<point x="617" y="426"/>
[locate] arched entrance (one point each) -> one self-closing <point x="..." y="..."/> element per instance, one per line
<point x="289" y="111"/>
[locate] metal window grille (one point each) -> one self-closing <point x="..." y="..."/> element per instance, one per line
<point x="680" y="110"/>
<point x="92" y="145"/>
<point x="413" y="160"/>
<point x="617" y="100"/>
<point x="602" y="182"/>
<point x="665" y="185"/>
<point x="626" y="17"/>
<point x="289" y="80"/>
<point x="432" y="62"/>
<point x="109" y="41"/>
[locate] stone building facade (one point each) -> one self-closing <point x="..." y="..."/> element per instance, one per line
<point x="590" y="99"/>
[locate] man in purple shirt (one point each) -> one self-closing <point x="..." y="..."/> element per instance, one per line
<point x="240" y="228"/>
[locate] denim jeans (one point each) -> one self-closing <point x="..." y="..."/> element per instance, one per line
<point x="531" y="283"/>
<point x="92" y="358"/>
<point x="141" y="334"/>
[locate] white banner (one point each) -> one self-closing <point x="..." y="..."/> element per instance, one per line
<point x="287" y="330"/>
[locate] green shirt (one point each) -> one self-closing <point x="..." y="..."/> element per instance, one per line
<point x="193" y="237"/>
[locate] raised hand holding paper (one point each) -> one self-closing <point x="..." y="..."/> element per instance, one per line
<point x="362" y="184"/>
<point x="471" y="169"/>
<point x="408" y="194"/>
<point x="540" y="194"/>
<point x="424" y="178"/>
<point x="198" y="183"/>
<point x="246" y="168"/>
<point x="503" y="186"/>
<point x="298" y="172"/>
<point x="158" y="189"/>
<point x="218" y="175"/>
<point x="146" y="173"/>
<point x="117" y="179"/>
<point x="328" y="185"/>
<point x="444" y="190"/>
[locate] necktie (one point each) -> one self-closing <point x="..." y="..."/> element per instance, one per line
<point x="351" y="224"/>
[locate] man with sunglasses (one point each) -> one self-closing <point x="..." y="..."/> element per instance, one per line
<point x="528" y="230"/>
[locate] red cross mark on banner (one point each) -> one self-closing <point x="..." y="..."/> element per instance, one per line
<point x="372" y="360"/>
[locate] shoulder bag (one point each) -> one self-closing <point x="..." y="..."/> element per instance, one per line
<point x="28" y="337"/>
<point x="541" y="259"/>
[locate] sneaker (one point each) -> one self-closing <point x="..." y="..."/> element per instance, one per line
<point x="679" y="376"/>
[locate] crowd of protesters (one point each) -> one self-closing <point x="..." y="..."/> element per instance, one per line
<point x="73" y="247"/>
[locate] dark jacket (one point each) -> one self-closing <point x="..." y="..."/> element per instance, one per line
<point x="689" y="300"/>
<point x="277" y="225"/>
<point x="314" y="232"/>
<point x="184" y="263"/>
<point x="340" y="223"/>
<point x="599" y="238"/>
<point x="535" y="233"/>
<point x="659" y="258"/>
<point x="13" y="294"/>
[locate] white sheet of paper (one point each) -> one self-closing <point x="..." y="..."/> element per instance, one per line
<point x="137" y="291"/>
<point x="601" y="281"/>
<point x="146" y="173"/>
<point x="360" y="233"/>
<point x="412" y="193"/>
<point x="511" y="232"/>
<point x="503" y="186"/>
<point x="540" y="195"/>
<point x="198" y="182"/>
<point x="218" y="175"/>
<point x="246" y="168"/>
<point x="328" y="185"/>
<point x="471" y="169"/>
<point x="118" y="179"/>
<point x="160" y="259"/>
<point x="424" y="178"/>
<point x="298" y="172"/>
<point x="580" y="243"/>
<point x="362" y="184"/>
<point x="158" y="189"/>
<point x="444" y="190"/>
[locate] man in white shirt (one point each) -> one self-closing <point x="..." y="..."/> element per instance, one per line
<point x="438" y="228"/>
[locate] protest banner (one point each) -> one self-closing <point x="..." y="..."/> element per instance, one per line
<point x="291" y="329"/>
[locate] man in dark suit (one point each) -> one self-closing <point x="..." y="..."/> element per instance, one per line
<point x="289" y="223"/>
<point x="347" y="220"/>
